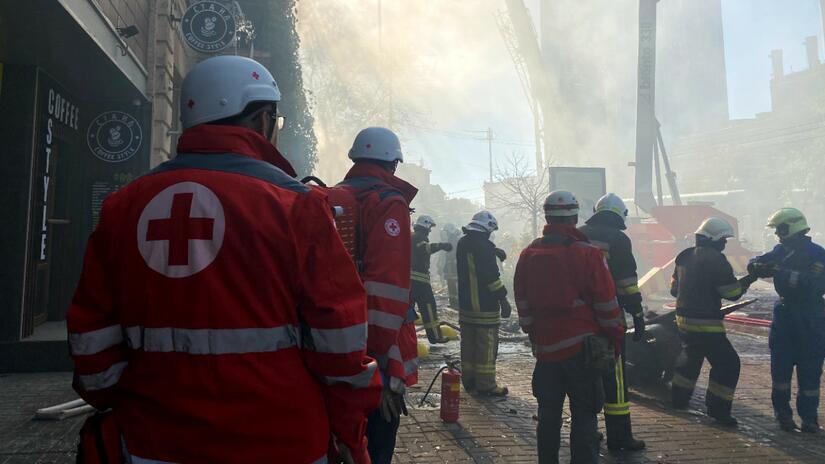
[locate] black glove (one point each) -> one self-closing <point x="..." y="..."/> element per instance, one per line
<point x="506" y="309"/>
<point x="638" y="327"/>
<point x="746" y="281"/>
<point x="447" y="246"/>
<point x="501" y="254"/>
<point x="764" y="270"/>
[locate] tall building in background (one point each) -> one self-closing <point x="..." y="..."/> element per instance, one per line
<point x="590" y="52"/>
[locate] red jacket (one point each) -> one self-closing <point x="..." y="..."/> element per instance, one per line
<point x="385" y="224"/>
<point x="219" y="315"/>
<point x="564" y="292"/>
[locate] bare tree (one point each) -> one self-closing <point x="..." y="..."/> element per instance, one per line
<point x="519" y="188"/>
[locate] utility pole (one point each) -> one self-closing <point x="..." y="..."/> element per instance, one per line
<point x="490" y="148"/>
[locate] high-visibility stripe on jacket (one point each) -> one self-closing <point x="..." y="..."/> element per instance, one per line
<point x="259" y="352"/>
<point x="421" y="251"/>
<point x="702" y="278"/>
<point x="564" y="293"/>
<point x="480" y="289"/>
<point x="604" y="230"/>
<point x="385" y="226"/>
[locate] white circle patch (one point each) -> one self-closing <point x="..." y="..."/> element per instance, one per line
<point x="392" y="227"/>
<point x="180" y="231"/>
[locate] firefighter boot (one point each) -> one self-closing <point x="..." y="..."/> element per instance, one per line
<point x="620" y="434"/>
<point x="787" y="424"/>
<point x="810" y="427"/>
<point x="722" y="416"/>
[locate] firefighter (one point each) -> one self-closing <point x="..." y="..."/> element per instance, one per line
<point x="482" y="304"/>
<point x="566" y="301"/>
<point x="421" y="291"/>
<point x="604" y="230"/>
<point x="383" y="258"/>
<point x="188" y="329"/>
<point x="797" y="336"/>
<point x="450" y="234"/>
<point x="702" y="278"/>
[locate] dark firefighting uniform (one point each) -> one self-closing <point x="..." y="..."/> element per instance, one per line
<point x="797" y="336"/>
<point x="565" y="294"/>
<point x="604" y="229"/>
<point x="421" y="291"/>
<point x="480" y="291"/>
<point x="449" y="269"/>
<point x="703" y="276"/>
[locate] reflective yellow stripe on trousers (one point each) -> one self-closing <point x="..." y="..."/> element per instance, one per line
<point x="621" y="407"/>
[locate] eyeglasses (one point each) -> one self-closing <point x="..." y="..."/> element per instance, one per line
<point x="278" y="120"/>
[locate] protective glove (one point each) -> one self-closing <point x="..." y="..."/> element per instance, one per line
<point x="764" y="270"/>
<point x="447" y="246"/>
<point x="746" y="281"/>
<point x="506" y="309"/>
<point x="501" y="254"/>
<point x="638" y="328"/>
<point x="392" y="405"/>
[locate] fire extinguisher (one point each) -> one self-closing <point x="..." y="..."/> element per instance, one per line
<point x="450" y="394"/>
<point x="450" y="391"/>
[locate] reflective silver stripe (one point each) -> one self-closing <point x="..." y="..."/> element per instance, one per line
<point x="615" y="322"/>
<point x="793" y="278"/>
<point x="345" y="340"/>
<point x="212" y="341"/>
<point x="391" y="292"/>
<point x="139" y="460"/>
<point x="526" y="320"/>
<point x="95" y="341"/>
<point x="781" y="386"/>
<point x="577" y="302"/>
<point x="393" y="353"/>
<point x="627" y="282"/>
<point x="604" y="246"/>
<point x="810" y="392"/>
<point x="562" y="344"/>
<point x="384" y="320"/>
<point x="606" y="306"/>
<point x="359" y="380"/>
<point x="134" y="337"/>
<point x="101" y="380"/>
<point x="410" y="366"/>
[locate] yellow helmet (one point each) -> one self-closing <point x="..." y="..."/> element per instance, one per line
<point x="423" y="350"/>
<point x="788" y="222"/>
<point x="448" y="332"/>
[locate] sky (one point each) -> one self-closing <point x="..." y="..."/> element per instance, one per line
<point x="462" y="80"/>
<point x="752" y="29"/>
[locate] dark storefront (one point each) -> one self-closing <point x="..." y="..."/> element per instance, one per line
<point x="73" y="127"/>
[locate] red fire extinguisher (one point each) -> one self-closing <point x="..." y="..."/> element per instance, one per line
<point x="450" y="393"/>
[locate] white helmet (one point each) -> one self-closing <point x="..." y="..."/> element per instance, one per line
<point x="611" y="202"/>
<point x="426" y="221"/>
<point x="378" y="143"/>
<point x="222" y="87"/>
<point x="715" y="229"/>
<point x="561" y="203"/>
<point x="483" y="221"/>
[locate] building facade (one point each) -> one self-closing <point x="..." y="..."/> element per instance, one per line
<point x="87" y="103"/>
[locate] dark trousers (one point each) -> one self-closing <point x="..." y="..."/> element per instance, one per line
<point x="422" y="296"/>
<point x="616" y="405"/>
<point x="724" y="371"/>
<point x="381" y="437"/>
<point x="552" y="382"/>
<point x="784" y="356"/>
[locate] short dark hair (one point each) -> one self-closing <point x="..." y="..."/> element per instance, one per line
<point x="251" y="108"/>
<point x="562" y="219"/>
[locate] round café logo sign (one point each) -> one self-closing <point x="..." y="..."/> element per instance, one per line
<point x="114" y="136"/>
<point x="208" y="26"/>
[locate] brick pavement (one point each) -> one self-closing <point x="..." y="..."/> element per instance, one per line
<point x="490" y="430"/>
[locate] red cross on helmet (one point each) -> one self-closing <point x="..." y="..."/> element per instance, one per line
<point x="222" y="87"/>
